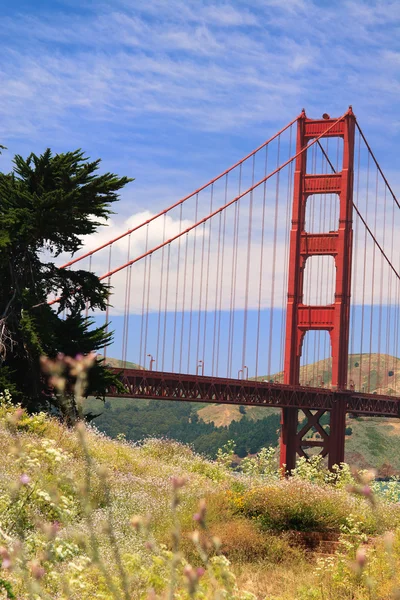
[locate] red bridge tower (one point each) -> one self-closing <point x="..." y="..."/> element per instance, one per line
<point x="333" y="318"/>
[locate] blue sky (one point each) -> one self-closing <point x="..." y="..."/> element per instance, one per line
<point x="172" y="92"/>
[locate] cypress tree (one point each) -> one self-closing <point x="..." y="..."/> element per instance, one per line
<point x="47" y="203"/>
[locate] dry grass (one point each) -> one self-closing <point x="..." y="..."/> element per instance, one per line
<point x="275" y="582"/>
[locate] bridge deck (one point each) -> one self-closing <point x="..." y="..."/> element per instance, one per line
<point x="190" y="388"/>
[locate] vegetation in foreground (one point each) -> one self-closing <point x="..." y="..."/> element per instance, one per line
<point x="83" y="516"/>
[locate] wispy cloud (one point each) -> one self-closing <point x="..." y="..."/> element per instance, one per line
<point x="173" y="92"/>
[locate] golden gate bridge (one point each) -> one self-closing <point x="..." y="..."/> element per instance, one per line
<point x="288" y="257"/>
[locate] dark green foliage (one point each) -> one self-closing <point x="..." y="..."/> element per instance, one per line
<point x="179" y="421"/>
<point x="47" y="203"/>
<point x="6" y="586"/>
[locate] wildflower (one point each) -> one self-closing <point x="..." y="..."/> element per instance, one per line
<point x="24" y="479"/>
<point x="195" y="537"/>
<point x="368" y="476"/>
<point x="192" y="578"/>
<point x="17" y="415"/>
<point x="136" y="522"/>
<point x="201" y="514"/>
<point x="57" y="382"/>
<point x="361" y="560"/>
<point x="36" y="569"/>
<point x="178" y="482"/>
<point x="217" y="543"/>
<point x="5" y="558"/>
<point x="366" y="491"/>
<point x="51" y="529"/>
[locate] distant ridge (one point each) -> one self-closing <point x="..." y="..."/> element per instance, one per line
<point x="373" y="373"/>
<point x="120" y="364"/>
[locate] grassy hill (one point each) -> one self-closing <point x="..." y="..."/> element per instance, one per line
<point x="371" y="373"/>
<point x="85" y="517"/>
<point x="120" y="364"/>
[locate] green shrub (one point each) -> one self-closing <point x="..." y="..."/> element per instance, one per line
<point x="301" y="506"/>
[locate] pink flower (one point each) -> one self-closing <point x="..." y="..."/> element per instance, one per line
<point x="178" y="482"/>
<point x="361" y="557"/>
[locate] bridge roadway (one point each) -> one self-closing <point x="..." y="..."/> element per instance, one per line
<point x="157" y="385"/>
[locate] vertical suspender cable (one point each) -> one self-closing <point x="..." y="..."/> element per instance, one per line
<point x="201" y="293"/>
<point x="382" y="269"/>
<point x="87" y="302"/>
<point x="233" y="286"/>
<point x="247" y="276"/>
<point x="235" y="264"/>
<point x="183" y="301"/>
<point x="371" y="323"/>
<point x="128" y="314"/>
<point x="176" y="291"/>
<point x="160" y="294"/>
<point x="108" y="304"/>
<point x="147" y="308"/>
<point x="166" y="307"/>
<point x="364" y="277"/>
<point x="192" y="285"/>
<point x="286" y="255"/>
<point x="271" y="321"/>
<point x="218" y="283"/>
<point x="355" y="262"/>
<point x="126" y="310"/>
<point x="261" y="263"/>
<point x="143" y="297"/>
<point x="208" y="275"/>
<point x="222" y="278"/>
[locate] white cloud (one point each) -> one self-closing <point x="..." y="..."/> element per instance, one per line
<point x="173" y="92"/>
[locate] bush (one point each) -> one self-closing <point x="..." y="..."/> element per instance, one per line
<point x="242" y="540"/>
<point x="301" y="506"/>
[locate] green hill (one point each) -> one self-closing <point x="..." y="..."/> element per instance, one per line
<point x="371" y="373"/>
<point x="120" y="364"/>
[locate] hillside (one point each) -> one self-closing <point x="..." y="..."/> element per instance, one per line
<point x="75" y="524"/>
<point x="378" y="373"/>
<point x="120" y="364"/>
<point x="139" y="419"/>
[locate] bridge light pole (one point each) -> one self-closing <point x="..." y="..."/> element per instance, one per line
<point x="247" y="372"/>
<point x="200" y="365"/>
<point x="152" y="360"/>
<point x="240" y="371"/>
